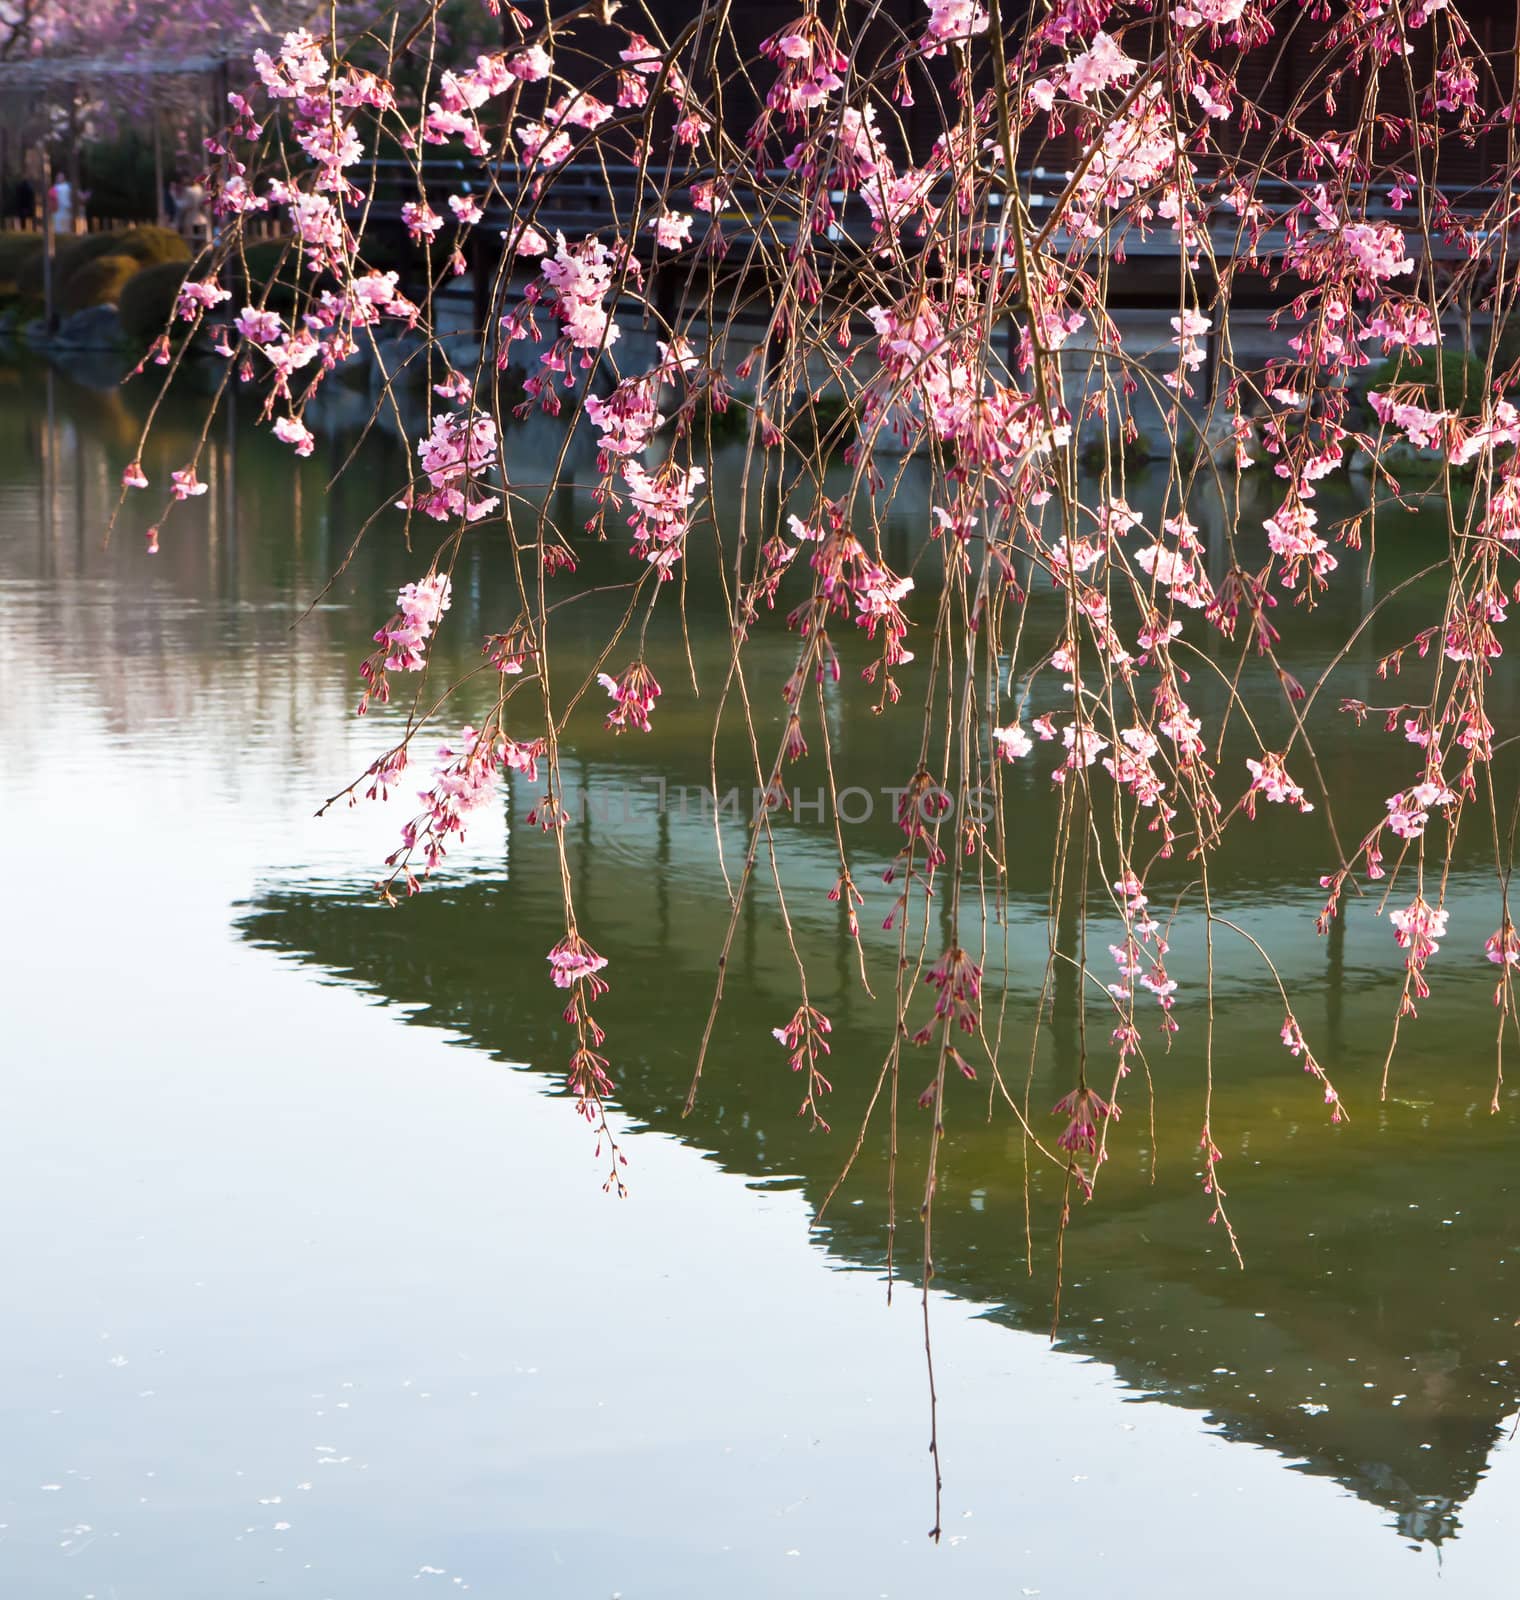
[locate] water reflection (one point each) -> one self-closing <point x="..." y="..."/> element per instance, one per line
<point x="1370" y="1339"/>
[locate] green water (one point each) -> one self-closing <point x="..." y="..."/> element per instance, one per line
<point x="267" y="1139"/>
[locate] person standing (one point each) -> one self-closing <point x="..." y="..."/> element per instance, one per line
<point x="24" y="203"/>
<point x="61" y="204"/>
<point x="191" y="218"/>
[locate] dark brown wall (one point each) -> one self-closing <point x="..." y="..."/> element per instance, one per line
<point x="1280" y="78"/>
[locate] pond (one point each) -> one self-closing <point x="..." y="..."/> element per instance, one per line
<point x="313" y="1288"/>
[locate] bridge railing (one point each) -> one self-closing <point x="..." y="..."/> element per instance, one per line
<point x="588" y="197"/>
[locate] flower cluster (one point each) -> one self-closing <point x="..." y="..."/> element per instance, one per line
<point x="1269" y="777"/>
<point x="634" y="692"/>
<point x="958" y="980"/>
<point x="1418" y="928"/>
<point x="1086" y="1113"/>
<point x="465" y="779"/>
<point x="461" y="448"/>
<point x="806" y="1037"/>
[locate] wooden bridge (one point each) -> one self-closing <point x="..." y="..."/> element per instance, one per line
<point x="583" y="198"/>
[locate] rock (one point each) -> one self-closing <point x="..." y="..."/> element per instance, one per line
<point x="1401" y="459"/>
<point x="96" y="328"/>
<point x="398" y="361"/>
<point x="462" y="352"/>
<point x="357" y="367"/>
<point x="335" y="408"/>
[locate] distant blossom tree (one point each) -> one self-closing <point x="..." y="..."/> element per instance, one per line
<point x="56" y="30"/>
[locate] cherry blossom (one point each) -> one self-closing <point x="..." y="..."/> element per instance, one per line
<point x="1012" y="742"/>
<point x="634" y="692"/>
<point x="897" y="306"/>
<point x="954" y="21"/>
<point x="1503" y="946"/>
<point x="418" y="609"/>
<point x="292" y="431"/>
<point x="1086" y="1113"/>
<point x="1101" y="64"/>
<point x="672" y="230"/>
<point x="573" y="961"/>
<point x="1269" y="777"/>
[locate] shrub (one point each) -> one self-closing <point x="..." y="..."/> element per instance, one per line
<point x="1461" y="375"/>
<point x="16" y="249"/>
<point x="267" y="255"/>
<point x="95" y="283"/>
<point x="147" y="300"/>
<point x="145" y="245"/>
<point x="265" y="259"/>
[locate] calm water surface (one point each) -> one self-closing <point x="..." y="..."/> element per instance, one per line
<point x="312" y="1288"/>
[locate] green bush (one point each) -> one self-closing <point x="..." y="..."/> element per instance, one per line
<point x="16" y="249"/>
<point x="147" y="300"/>
<point x="269" y="255"/>
<point x="1504" y="340"/>
<point x="1460" y="374"/>
<point x="149" y="243"/>
<point x="96" y="283"/>
<point x="266" y="258"/>
<point x="145" y="245"/>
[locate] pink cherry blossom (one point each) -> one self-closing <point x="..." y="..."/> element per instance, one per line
<point x="672" y="230"/>
<point x="581" y="276"/>
<point x="659" y="511"/>
<point x="291" y="430"/>
<point x="1086" y="1113"/>
<point x="465" y="780"/>
<point x="1418" y="928"/>
<point x="456" y="454"/>
<point x="634" y="692"/>
<point x="1012" y="742"/>
<point x="195" y="298"/>
<point x="418" y="609"/>
<point x="953" y="21"/>
<point x="466" y="209"/>
<point x="421" y="221"/>
<point x="1197" y="13"/>
<point x="1101" y="64"/>
<point x="1269" y="777"/>
<point x="259" y="327"/>
<point x="573" y="961"/>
